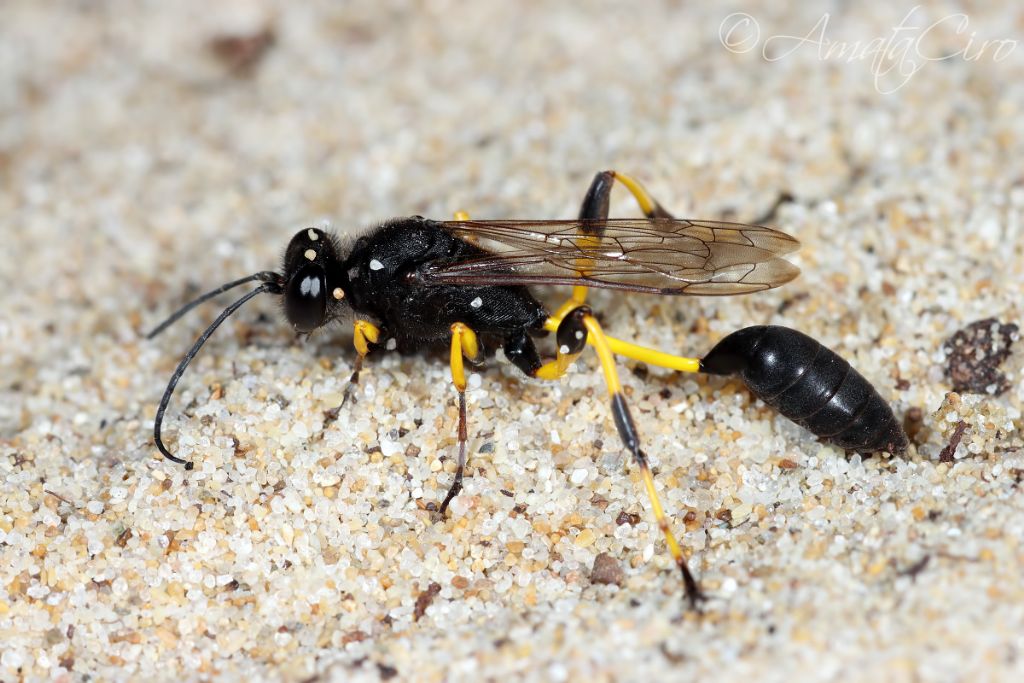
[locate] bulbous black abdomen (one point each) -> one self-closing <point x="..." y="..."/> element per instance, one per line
<point x="811" y="385"/>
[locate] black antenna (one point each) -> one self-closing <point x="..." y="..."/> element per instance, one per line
<point x="269" y="286"/>
<point x="263" y="276"/>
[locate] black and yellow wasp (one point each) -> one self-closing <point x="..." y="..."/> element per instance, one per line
<point x="465" y="283"/>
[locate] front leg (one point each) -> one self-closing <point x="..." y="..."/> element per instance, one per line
<point x="364" y="334"/>
<point x="464" y="345"/>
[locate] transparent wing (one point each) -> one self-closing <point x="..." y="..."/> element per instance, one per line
<point x="657" y="256"/>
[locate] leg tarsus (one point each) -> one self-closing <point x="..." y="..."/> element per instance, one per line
<point x="694" y="595"/>
<point x="454" y="490"/>
<point x="456" y="486"/>
<point x="353" y="382"/>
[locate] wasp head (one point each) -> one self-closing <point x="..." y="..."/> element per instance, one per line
<point x="311" y="296"/>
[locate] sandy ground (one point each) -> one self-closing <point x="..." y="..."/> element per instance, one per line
<point x="150" y="153"/>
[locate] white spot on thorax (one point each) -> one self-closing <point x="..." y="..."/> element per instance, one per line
<point x="313" y="234"/>
<point x="338" y="293"/>
<point x="392" y="344"/>
<point x="579" y="334"/>
<point x="563" y="349"/>
<point x="376" y="265"/>
<point x="477" y="302"/>
<point x="310" y="254"/>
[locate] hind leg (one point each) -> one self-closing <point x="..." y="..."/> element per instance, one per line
<point x="574" y="332"/>
<point x="593" y="213"/>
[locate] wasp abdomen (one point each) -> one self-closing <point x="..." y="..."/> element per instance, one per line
<point x="811" y="385"/>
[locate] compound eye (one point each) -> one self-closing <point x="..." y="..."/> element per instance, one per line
<point x="305" y="298"/>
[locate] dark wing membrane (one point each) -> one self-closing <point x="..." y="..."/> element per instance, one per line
<point x="658" y="256"/>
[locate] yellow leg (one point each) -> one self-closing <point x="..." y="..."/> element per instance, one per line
<point x="571" y="337"/>
<point x="594" y="210"/>
<point x="636" y="352"/>
<point x="557" y="368"/>
<point x="364" y="334"/>
<point x="631" y="440"/>
<point x="573" y="332"/>
<point x="464" y="345"/>
<point x="650" y="206"/>
<point x="578" y="298"/>
<point x="463" y="216"/>
<point x="579" y="292"/>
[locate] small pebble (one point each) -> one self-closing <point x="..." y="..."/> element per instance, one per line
<point x="607" y="570"/>
<point x="585" y="538"/>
